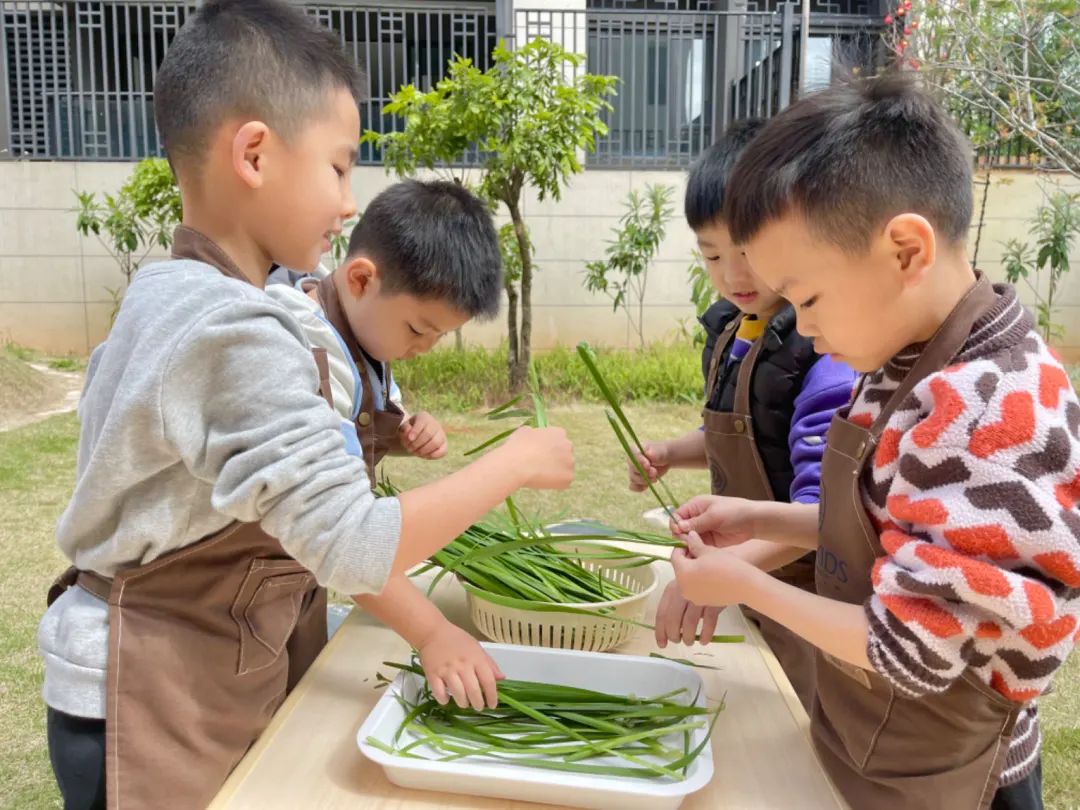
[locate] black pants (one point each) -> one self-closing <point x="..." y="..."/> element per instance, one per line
<point x="77" y="754"/>
<point x="1024" y="795"/>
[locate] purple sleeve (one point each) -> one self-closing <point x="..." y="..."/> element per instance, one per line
<point x="828" y="387"/>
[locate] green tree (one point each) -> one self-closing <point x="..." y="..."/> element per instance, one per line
<point x="1057" y="224"/>
<point x="529" y="116"/>
<point x="134" y="221"/>
<point x="624" y="275"/>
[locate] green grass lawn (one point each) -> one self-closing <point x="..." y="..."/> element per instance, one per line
<point x="37" y="472"/>
<point x="36" y="475"/>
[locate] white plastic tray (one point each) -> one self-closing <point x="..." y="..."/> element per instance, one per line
<point x="622" y="674"/>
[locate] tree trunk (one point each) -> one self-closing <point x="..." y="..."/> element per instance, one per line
<point x="511" y="329"/>
<point x="641" y="309"/>
<point x="981" y="222"/>
<point x="519" y="362"/>
<point x="459" y="341"/>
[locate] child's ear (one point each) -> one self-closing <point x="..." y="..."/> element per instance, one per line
<point x="360" y="274"/>
<point x="249" y="153"/>
<point x="913" y="246"/>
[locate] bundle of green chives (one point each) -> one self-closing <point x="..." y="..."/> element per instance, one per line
<point x="561" y="728"/>
<point x="517" y="563"/>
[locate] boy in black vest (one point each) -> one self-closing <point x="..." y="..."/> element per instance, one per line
<point x="768" y="402"/>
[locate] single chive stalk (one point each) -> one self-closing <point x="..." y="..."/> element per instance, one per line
<point x="588" y="357"/>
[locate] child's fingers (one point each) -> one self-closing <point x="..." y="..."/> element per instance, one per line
<point x="673" y="618"/>
<point x="681" y="562"/>
<point x="680" y="525"/>
<point x="662" y="610"/>
<point x="645" y="463"/>
<point x="691" y="620"/>
<point x="695" y="545"/>
<point x="473" y="690"/>
<point x="685" y="576"/>
<point x="440" y="450"/>
<point x="485" y="674"/>
<point x="690" y="510"/>
<point x="457" y="690"/>
<point x="708" y="624"/>
<point x="426" y="445"/>
<point x="420" y="434"/>
<point x="438" y="689"/>
<point x="418" y="427"/>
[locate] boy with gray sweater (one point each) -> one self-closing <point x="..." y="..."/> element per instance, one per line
<point x="215" y="498"/>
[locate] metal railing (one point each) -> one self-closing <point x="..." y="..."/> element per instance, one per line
<point x="993" y="151"/>
<point x="400" y="44"/>
<point x="80" y="73"/>
<point x="80" y="76"/>
<point x="768" y="67"/>
<point x="677" y="74"/>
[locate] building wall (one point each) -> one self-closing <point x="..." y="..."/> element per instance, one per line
<point x="54" y="283"/>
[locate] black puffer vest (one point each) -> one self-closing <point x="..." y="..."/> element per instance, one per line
<point x="785" y="358"/>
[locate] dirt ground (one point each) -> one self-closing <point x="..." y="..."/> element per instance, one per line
<point x="30" y="392"/>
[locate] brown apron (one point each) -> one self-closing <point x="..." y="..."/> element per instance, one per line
<point x="376" y="429"/>
<point x="737" y="471"/>
<point x="882" y="749"/>
<point x="204" y="645"/>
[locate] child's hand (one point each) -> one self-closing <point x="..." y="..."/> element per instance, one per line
<point x="457" y="667"/>
<point x="677" y="619"/>
<point x="422" y="436"/>
<point x="710" y="576"/>
<point x="655" y="462"/>
<point x="717" y="520"/>
<point x="544" y="454"/>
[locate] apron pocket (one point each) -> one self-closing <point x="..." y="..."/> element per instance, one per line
<point x="266" y="610"/>
<point x="852" y="706"/>
<point x="971" y="721"/>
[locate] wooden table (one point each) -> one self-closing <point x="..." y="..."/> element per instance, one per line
<point x="308" y="756"/>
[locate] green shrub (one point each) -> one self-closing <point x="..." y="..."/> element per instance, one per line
<point x="472" y="378"/>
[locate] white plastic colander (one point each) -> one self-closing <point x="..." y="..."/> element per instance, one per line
<point x="570" y="631"/>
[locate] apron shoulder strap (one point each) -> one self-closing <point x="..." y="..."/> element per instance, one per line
<point x="942" y="348"/>
<point x="723" y="340"/>
<point x="746" y="373"/>
<point x="322" y="363"/>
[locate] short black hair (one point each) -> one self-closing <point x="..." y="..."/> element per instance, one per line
<point x="260" y="58"/>
<point x="852" y="156"/>
<point x="706" y="187"/>
<point x="433" y="239"/>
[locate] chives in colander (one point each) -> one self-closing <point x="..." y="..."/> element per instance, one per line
<point x="516" y="563"/>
